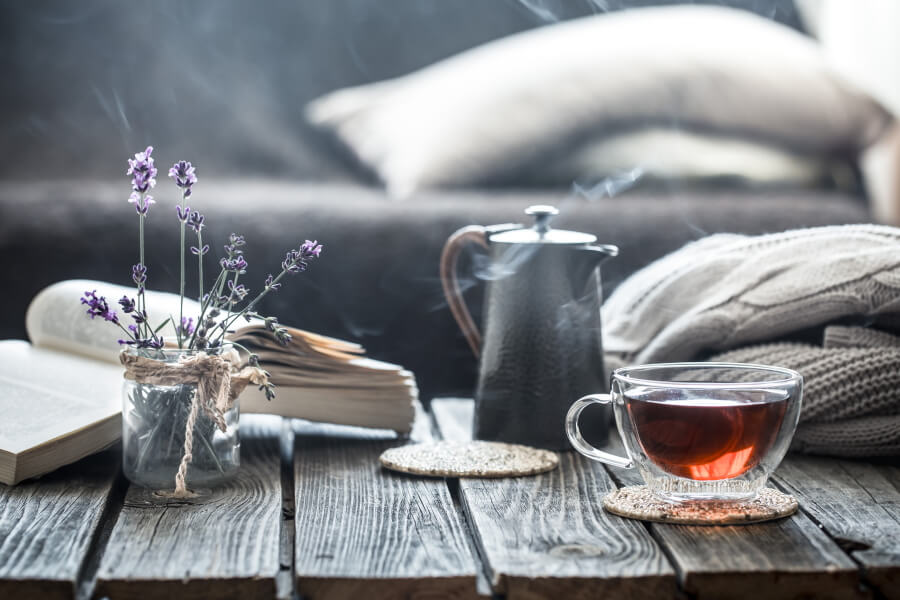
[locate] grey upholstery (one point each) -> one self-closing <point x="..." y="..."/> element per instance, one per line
<point x="377" y="280"/>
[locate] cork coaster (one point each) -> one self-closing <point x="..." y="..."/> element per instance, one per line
<point x="638" y="502"/>
<point x="469" y="459"/>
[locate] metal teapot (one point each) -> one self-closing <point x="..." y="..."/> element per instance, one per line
<point x="542" y="347"/>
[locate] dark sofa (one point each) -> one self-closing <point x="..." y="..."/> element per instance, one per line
<point x="223" y="84"/>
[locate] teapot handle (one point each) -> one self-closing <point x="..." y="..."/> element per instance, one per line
<point x="450" y="283"/>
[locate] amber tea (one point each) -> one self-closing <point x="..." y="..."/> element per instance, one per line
<point x="698" y="432"/>
<point x="704" y="438"/>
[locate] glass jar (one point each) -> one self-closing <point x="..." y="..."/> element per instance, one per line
<point x="154" y="428"/>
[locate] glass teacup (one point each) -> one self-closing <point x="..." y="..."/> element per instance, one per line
<point x="698" y="431"/>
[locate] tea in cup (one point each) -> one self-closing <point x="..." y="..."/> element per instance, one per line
<point x="698" y="431"/>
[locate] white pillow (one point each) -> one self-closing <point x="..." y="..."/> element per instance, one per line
<point x="531" y="99"/>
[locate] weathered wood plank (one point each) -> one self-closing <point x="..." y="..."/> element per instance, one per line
<point x="363" y="531"/>
<point x="224" y="545"/>
<point x="284" y="583"/>
<point x="47" y="525"/>
<point x="788" y="558"/>
<point x="858" y="506"/>
<point x="548" y="537"/>
<point x="791" y="558"/>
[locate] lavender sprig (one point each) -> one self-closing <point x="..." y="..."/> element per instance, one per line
<point x="195" y="222"/>
<point x="295" y="261"/>
<point x="143" y="179"/>
<point x="99" y="307"/>
<point x="183" y="174"/>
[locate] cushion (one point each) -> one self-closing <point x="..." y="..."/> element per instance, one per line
<point x="531" y="100"/>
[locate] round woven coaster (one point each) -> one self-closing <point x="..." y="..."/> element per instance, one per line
<point x="638" y="502"/>
<point x="469" y="459"/>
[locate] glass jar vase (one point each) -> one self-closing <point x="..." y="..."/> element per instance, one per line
<point x="157" y="441"/>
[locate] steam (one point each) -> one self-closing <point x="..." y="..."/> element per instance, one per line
<point x="114" y="109"/>
<point x="608" y="186"/>
<point x="506" y="265"/>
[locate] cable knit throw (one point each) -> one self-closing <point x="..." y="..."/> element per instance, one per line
<point x="775" y="299"/>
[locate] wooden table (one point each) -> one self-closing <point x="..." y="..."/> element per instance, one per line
<point x="311" y="513"/>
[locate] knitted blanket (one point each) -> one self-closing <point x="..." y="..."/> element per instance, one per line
<point x="755" y="297"/>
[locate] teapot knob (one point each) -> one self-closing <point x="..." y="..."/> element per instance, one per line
<point x="542" y="214"/>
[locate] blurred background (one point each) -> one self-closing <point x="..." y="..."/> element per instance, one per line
<point x="629" y="119"/>
<point x="226" y="82"/>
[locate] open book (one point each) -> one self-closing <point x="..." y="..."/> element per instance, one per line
<point x="60" y="395"/>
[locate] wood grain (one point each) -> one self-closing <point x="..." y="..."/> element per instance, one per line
<point x="224" y="545"/>
<point x="858" y="506"/>
<point x="548" y="537"/>
<point x="47" y="525"/>
<point x="363" y="531"/>
<point x="788" y="558"/>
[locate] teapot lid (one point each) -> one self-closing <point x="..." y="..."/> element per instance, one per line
<point x="541" y="233"/>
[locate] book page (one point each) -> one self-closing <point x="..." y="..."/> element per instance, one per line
<point x="361" y="408"/>
<point x="46" y="394"/>
<point x="57" y="319"/>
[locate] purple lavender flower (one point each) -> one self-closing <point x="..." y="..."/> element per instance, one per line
<point x="289" y="262"/>
<point x="141" y="202"/>
<point x="270" y="283"/>
<point x="195" y="221"/>
<point x="139" y="276"/>
<point x="240" y="290"/>
<point x="201" y="251"/>
<point x="152" y="342"/>
<point x="133" y="330"/>
<point x="187" y="327"/>
<point x="127" y="304"/>
<point x="98" y="307"/>
<point x="142" y="171"/>
<point x="234" y="264"/>
<point x="296" y="261"/>
<point x="183" y="174"/>
<point x="184" y="214"/>
<point x="311" y="249"/>
<point x="235" y="241"/>
<point x="282" y="335"/>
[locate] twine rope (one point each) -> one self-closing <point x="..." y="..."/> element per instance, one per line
<point x="218" y="381"/>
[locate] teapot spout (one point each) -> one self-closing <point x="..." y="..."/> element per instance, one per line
<point x="590" y="257"/>
<point x="601" y="251"/>
<point x="594" y="254"/>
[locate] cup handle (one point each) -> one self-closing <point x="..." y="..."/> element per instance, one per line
<point x="574" y="433"/>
